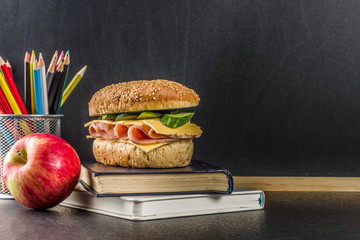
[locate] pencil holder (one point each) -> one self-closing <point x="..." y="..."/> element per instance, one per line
<point x="14" y="127"/>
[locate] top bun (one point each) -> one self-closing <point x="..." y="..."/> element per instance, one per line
<point x="143" y="95"/>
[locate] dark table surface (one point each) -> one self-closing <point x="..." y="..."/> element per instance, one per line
<point x="287" y="215"/>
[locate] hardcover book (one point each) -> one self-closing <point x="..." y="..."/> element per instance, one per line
<point x="140" y="208"/>
<point x="198" y="177"/>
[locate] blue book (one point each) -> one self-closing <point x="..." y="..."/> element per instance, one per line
<point x="198" y="177"/>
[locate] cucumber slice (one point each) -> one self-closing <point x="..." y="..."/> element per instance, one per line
<point x="108" y="116"/>
<point x="144" y="115"/>
<point x="176" y="120"/>
<point x="126" y="116"/>
<point x="171" y="111"/>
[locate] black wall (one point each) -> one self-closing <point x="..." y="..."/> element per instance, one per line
<point x="279" y="81"/>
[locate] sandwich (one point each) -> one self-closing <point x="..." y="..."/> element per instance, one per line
<point x="143" y="124"/>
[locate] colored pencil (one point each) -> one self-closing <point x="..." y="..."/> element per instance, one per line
<point x="27" y="127"/>
<point x="61" y="58"/>
<point x="27" y="87"/>
<point x="9" y="97"/>
<point x="54" y="87"/>
<point x="73" y="83"/>
<point x="27" y="94"/>
<point x="32" y="90"/>
<point x="37" y="88"/>
<point x="12" y="86"/>
<point x="43" y="85"/>
<point x="7" y="136"/>
<point x="2" y="110"/>
<point x="50" y="74"/>
<point x="53" y="59"/>
<point x="3" y="187"/>
<point x="4" y="103"/>
<point x="10" y="68"/>
<point x="63" y="83"/>
<point x="3" y="152"/>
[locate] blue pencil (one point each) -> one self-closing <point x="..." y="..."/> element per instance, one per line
<point x="37" y="88"/>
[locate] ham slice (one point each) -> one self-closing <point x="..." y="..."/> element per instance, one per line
<point x="138" y="133"/>
<point x="106" y="131"/>
<point x="93" y="132"/>
<point x="100" y="130"/>
<point x="121" y="131"/>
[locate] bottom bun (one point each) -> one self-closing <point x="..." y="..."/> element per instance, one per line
<point x="114" y="152"/>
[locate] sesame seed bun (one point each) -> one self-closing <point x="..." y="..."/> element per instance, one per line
<point x="114" y="152"/>
<point x="142" y="95"/>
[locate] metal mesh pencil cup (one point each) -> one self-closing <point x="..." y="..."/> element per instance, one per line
<point x="14" y="127"/>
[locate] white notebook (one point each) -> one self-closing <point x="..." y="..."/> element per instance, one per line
<point x="151" y="207"/>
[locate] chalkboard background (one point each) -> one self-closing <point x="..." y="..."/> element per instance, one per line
<point x="279" y="81"/>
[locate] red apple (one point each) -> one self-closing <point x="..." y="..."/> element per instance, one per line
<point x="41" y="170"/>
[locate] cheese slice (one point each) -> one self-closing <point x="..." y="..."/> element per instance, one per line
<point x="145" y="147"/>
<point x="125" y="122"/>
<point x="190" y="129"/>
<point x="103" y="121"/>
<point x="186" y="129"/>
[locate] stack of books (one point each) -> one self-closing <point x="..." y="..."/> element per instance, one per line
<point x="146" y="194"/>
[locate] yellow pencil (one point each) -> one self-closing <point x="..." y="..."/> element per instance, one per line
<point x="32" y="90"/>
<point x="25" y="127"/>
<point x="9" y="96"/>
<point x="71" y="86"/>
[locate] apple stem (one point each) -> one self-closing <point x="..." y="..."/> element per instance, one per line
<point x="19" y="153"/>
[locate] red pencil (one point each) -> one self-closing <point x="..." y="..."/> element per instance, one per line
<point x="5" y="104"/>
<point x="2" y="110"/>
<point x="12" y="87"/>
<point x="10" y="68"/>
